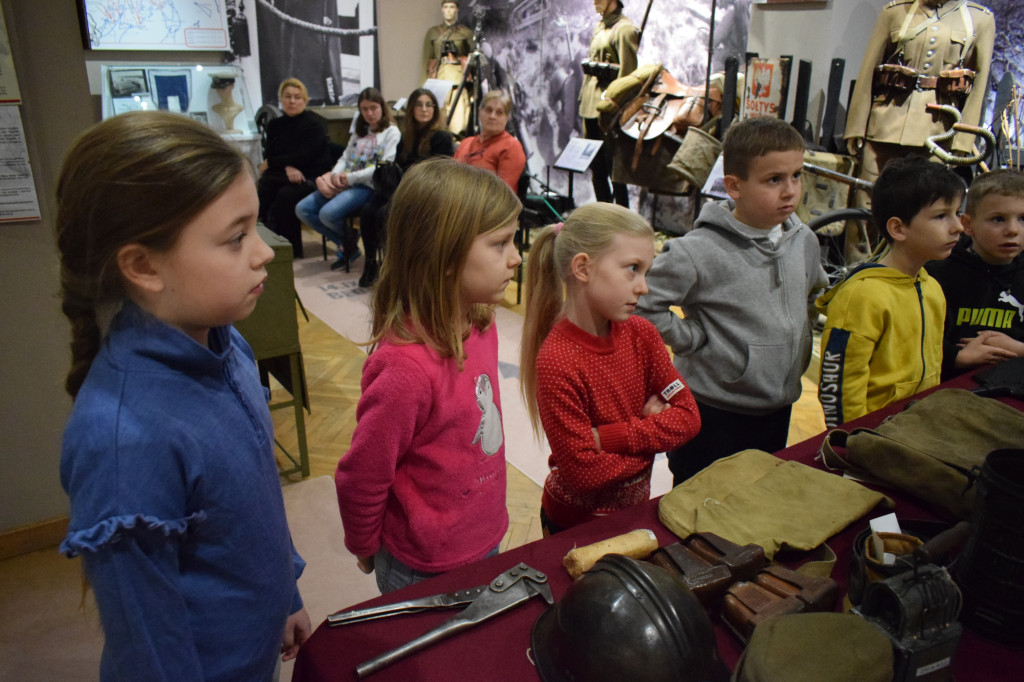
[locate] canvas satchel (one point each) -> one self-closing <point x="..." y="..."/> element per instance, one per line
<point x="929" y="449"/>
<point x="822" y="195"/>
<point x="754" y="497"/>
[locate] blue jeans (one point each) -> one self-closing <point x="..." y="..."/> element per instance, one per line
<point x="327" y="216"/>
<point x="393" y="575"/>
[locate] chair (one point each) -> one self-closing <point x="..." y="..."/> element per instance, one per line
<point x="264" y="115"/>
<point x="336" y="150"/>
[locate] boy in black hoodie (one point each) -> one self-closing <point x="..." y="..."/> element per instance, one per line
<point x="983" y="279"/>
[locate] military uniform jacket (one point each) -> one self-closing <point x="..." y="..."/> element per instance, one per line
<point x="461" y="35"/>
<point x="901" y="118"/>
<point x="614" y="42"/>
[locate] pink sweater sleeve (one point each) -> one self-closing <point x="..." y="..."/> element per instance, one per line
<point x="396" y="397"/>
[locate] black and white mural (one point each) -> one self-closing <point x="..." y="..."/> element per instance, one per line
<point x="1008" y="53"/>
<point x="533" y="50"/>
<point x="330" y="45"/>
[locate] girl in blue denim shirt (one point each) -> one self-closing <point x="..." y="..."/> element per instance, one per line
<point x="176" y="507"/>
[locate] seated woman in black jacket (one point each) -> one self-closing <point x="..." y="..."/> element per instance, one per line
<point x="424" y="134"/>
<point x="297" y="152"/>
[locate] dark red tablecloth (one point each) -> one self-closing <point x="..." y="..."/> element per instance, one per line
<point x="498" y="649"/>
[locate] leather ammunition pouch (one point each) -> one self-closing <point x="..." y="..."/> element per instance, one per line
<point x="955" y="82"/>
<point x="775" y="591"/>
<point x="708" y="564"/>
<point x="893" y="78"/>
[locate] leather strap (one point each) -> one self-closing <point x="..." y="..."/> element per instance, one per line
<point x="965" y="15"/>
<point x="907" y="34"/>
<point x="645" y="118"/>
<point x="832" y="460"/>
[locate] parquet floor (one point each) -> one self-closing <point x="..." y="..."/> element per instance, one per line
<point x="333" y="367"/>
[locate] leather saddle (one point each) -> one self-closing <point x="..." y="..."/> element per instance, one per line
<point x="662" y="105"/>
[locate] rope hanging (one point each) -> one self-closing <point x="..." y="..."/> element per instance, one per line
<point x="314" y="27"/>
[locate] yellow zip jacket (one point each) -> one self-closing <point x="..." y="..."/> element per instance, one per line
<point x="882" y="340"/>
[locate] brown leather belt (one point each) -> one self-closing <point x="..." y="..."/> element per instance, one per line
<point x="927" y="82"/>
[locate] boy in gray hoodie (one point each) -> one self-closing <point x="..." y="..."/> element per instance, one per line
<point x="745" y="277"/>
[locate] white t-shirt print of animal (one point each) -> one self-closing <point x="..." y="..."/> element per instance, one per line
<point x="489" y="434"/>
<point x="1007" y="297"/>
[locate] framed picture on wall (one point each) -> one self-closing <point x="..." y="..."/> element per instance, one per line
<point x="128" y="82"/>
<point x="145" y="25"/>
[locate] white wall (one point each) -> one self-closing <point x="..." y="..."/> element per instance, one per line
<point x="58" y="104"/>
<point x="402" y="27"/>
<point x="48" y="58"/>
<point x="816" y="32"/>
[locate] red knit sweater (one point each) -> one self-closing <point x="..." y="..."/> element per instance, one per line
<point x="585" y="381"/>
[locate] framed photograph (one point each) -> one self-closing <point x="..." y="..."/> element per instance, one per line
<point x="199" y="116"/>
<point x="128" y="82"/>
<point x="123" y="104"/>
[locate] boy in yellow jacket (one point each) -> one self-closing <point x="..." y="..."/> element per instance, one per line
<point x="883" y="335"/>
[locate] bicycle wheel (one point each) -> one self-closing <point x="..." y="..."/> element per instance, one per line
<point x="830" y="229"/>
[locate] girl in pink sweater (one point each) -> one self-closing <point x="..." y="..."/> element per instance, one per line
<point x="422" y="490"/>
<point x="598" y="378"/>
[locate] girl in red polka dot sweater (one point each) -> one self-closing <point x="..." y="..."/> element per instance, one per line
<point x="597" y="378"/>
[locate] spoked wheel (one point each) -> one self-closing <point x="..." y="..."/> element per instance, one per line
<point x="831" y="232"/>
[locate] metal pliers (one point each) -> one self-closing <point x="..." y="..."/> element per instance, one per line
<point x="508" y="590"/>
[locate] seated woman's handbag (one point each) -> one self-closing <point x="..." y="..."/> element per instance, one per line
<point x="386" y="176"/>
<point x="929" y="449"/>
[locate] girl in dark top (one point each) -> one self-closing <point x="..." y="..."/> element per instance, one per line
<point x="423" y="135"/>
<point x="423" y="130"/>
<point x="297" y="151"/>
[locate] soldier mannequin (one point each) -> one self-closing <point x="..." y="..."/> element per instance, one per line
<point x="446" y="48"/>
<point x="614" y="42"/>
<point x="888" y="119"/>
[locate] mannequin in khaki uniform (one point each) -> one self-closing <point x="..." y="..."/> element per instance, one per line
<point x="940" y="35"/>
<point x="614" y="42"/>
<point x="449" y="65"/>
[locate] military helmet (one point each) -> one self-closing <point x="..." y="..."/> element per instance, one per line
<point x="626" y="619"/>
